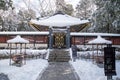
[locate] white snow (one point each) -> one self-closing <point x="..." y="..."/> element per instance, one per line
<point x="6" y="52"/>
<point x="18" y="39"/>
<point x="47" y="32"/>
<point x="90" y="53"/>
<point x="70" y="50"/>
<point x="92" y="34"/>
<point x="99" y="40"/>
<point x="60" y="20"/>
<point x="25" y="33"/>
<point x="89" y="71"/>
<point x="86" y="69"/>
<point x="30" y="71"/>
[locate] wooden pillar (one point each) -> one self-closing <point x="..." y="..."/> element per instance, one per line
<point x="10" y="54"/>
<point x="97" y="52"/>
<point x="34" y="40"/>
<point x="21" y="52"/>
<point x="16" y="48"/>
<point x="74" y="40"/>
<point x="48" y="41"/>
<point x="25" y="55"/>
<point x="84" y="39"/>
<point x="50" y="38"/>
<point x="68" y="37"/>
<point x="20" y="48"/>
<point x="93" y="52"/>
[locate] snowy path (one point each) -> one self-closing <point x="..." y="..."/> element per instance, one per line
<point x="59" y="71"/>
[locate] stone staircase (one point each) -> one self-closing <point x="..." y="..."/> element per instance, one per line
<point x="59" y="55"/>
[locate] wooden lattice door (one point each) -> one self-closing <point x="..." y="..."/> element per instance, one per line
<point x="59" y="40"/>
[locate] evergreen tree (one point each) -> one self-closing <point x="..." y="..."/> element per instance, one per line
<point x="85" y="8"/>
<point x="4" y="8"/>
<point x="106" y="18"/>
<point x="5" y="4"/>
<point x="65" y="8"/>
<point x="2" y="4"/>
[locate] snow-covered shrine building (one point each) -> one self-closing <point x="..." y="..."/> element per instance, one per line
<point x="59" y="31"/>
<point x="60" y="26"/>
<point x="64" y="30"/>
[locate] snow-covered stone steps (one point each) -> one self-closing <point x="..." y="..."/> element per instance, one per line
<point x="59" y="55"/>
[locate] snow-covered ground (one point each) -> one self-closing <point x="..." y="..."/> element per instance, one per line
<point x="89" y="71"/>
<point x="86" y="69"/>
<point x="29" y="71"/>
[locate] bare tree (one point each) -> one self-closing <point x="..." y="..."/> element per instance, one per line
<point x="24" y="17"/>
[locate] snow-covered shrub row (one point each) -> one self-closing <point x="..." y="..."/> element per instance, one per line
<point x="5" y="53"/>
<point x="91" y="54"/>
<point x="90" y="47"/>
<point x="88" y="51"/>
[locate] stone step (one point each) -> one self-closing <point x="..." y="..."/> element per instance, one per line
<point x="65" y="60"/>
<point x="59" y="56"/>
<point x="59" y="59"/>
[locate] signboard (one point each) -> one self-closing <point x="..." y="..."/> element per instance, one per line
<point x="109" y="58"/>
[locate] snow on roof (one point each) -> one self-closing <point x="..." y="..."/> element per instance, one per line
<point x="47" y="33"/>
<point x="17" y="39"/>
<point x="99" y="40"/>
<point x="60" y="20"/>
<point x="93" y="34"/>
<point x="24" y="33"/>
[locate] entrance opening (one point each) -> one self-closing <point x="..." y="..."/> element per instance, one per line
<point x="59" y="40"/>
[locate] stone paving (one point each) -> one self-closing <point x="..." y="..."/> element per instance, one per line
<point x="59" y="71"/>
